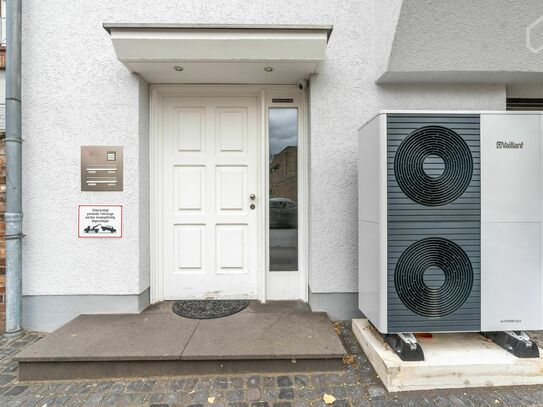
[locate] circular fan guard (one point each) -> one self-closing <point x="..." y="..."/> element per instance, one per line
<point x="433" y="302"/>
<point x="410" y="159"/>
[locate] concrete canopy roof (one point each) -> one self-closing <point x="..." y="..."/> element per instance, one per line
<point x="180" y="53"/>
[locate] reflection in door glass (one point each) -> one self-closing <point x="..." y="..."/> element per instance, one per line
<point x="283" y="131"/>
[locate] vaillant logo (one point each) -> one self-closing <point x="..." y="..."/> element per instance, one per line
<point x="509" y="144"/>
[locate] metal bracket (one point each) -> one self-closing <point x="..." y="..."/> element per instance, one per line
<point x="517" y="343"/>
<point x="405" y="345"/>
<point x="14" y="237"/>
<point x="13" y="140"/>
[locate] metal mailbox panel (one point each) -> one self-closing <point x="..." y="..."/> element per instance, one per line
<point x="101" y="168"/>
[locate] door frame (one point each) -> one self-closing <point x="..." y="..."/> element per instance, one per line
<point x="262" y="92"/>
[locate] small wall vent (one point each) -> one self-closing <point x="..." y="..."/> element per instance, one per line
<point x="525" y="104"/>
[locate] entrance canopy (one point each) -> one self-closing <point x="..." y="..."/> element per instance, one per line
<point x="180" y="53"/>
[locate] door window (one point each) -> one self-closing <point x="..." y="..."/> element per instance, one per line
<point x="283" y="183"/>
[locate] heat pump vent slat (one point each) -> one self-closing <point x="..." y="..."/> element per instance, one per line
<point x="433" y="222"/>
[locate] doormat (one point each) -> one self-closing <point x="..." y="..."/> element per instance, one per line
<point x="208" y="309"/>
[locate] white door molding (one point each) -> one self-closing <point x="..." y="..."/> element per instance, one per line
<point x="291" y="285"/>
<point x="263" y="93"/>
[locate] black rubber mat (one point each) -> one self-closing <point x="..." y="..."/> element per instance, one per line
<point x="208" y="309"/>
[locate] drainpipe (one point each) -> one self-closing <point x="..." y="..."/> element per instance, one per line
<point x="14" y="216"/>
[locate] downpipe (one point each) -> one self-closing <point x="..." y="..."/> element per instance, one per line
<point x="13" y="140"/>
<point x="14" y="286"/>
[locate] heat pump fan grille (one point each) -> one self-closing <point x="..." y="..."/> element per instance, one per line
<point x="433" y="277"/>
<point x="411" y="168"/>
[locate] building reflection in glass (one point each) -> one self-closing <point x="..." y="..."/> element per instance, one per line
<point x="283" y="147"/>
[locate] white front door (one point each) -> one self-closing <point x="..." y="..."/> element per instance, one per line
<point x="209" y="150"/>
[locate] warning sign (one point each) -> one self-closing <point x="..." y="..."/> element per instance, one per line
<point x="100" y="221"/>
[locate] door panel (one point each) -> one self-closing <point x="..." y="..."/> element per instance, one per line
<point x="190" y="125"/>
<point x="231" y="249"/>
<point x="232" y="130"/>
<point x="190" y="180"/>
<point x="210" y="169"/>
<point x="190" y="248"/>
<point x="231" y="189"/>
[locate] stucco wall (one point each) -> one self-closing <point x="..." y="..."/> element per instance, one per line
<point x="525" y="90"/>
<point x="464" y="40"/>
<point x="144" y="186"/>
<point x="386" y="14"/>
<point x="76" y="93"/>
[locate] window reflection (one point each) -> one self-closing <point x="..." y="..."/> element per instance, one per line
<point x="283" y="133"/>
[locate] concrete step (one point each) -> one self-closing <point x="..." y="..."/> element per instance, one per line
<point x="161" y="343"/>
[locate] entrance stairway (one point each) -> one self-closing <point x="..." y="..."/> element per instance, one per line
<point x="272" y="337"/>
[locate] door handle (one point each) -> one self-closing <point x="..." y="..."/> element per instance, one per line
<point x="252" y="197"/>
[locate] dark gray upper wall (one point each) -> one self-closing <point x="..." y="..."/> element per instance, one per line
<point x="466" y="41"/>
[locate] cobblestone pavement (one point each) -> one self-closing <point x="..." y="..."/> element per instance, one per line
<point x="356" y="385"/>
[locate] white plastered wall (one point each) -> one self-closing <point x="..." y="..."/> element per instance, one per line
<point x="77" y="93"/>
<point x="525" y="90"/>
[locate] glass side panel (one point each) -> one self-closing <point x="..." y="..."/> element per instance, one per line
<point x="283" y="132"/>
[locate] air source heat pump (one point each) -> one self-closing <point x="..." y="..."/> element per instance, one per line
<point x="450" y="215"/>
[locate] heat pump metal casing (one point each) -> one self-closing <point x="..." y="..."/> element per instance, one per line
<point x="482" y="228"/>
